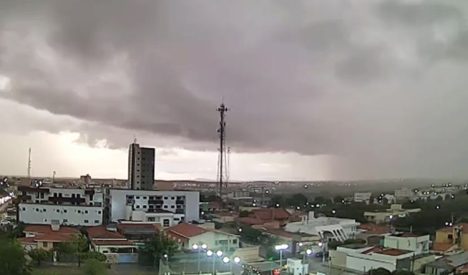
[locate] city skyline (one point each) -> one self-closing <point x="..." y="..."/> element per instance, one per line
<point x="317" y="90"/>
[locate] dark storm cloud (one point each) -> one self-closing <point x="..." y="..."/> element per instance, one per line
<point x="364" y="80"/>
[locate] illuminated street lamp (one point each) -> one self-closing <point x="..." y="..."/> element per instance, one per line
<point x="199" y="248"/>
<point x="306" y="254"/>
<point x="280" y="248"/>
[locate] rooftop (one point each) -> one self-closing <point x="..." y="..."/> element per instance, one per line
<point x="371" y="228"/>
<point x="186" y="230"/>
<point x="101" y="232"/>
<point x="386" y="251"/>
<point x="47" y="229"/>
<point x="138" y="228"/>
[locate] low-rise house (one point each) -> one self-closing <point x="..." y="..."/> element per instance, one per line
<point x="138" y="232"/>
<point x="364" y="197"/>
<point x="327" y="228"/>
<point x="374" y="234"/>
<point x="451" y="239"/>
<point x="362" y="259"/>
<point x="271" y="217"/>
<point x="46" y="236"/>
<point x="186" y="235"/>
<point x="419" y="244"/>
<point x="111" y="243"/>
<point x="395" y="211"/>
<point x="453" y="264"/>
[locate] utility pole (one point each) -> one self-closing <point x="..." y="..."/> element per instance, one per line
<point x="221" y="131"/>
<point x="29" y="163"/>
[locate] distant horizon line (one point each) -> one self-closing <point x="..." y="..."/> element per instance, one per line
<point x="256" y="180"/>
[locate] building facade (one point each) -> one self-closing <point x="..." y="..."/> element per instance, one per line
<point x="364" y="197"/>
<point x="140" y="167"/>
<point x="166" y="208"/>
<point x="66" y="206"/>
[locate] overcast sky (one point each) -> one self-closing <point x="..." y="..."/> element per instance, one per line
<point x="318" y="90"/>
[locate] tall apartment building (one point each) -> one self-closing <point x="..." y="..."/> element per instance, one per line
<point x="166" y="208"/>
<point x="140" y="167"/>
<point x="67" y="206"/>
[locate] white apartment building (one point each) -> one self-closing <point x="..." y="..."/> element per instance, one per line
<point x="329" y="228"/>
<point x="166" y="208"/>
<point x="408" y="242"/>
<point x="67" y="206"/>
<point x="362" y="197"/>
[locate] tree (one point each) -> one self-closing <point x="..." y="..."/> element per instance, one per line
<point x="39" y="255"/>
<point x="12" y="260"/>
<point x="94" y="267"/>
<point x="297" y="200"/>
<point x="77" y="246"/>
<point x="402" y="272"/>
<point x="93" y="255"/>
<point x="379" y="271"/>
<point x="155" y="248"/>
<point x="251" y="235"/>
<point x="277" y="200"/>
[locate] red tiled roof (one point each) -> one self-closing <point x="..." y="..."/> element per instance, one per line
<point x="54" y="238"/>
<point x="386" y="251"/>
<point x="47" y="229"/>
<point x="149" y="226"/>
<point x="250" y="221"/>
<point x="267" y="214"/>
<point x="186" y="230"/>
<point x="280" y="232"/>
<point x="112" y="242"/>
<point x="100" y="232"/>
<point x="371" y="228"/>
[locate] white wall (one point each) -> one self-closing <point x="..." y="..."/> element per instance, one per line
<point x="31" y="213"/>
<point x="416" y="244"/>
<point x="365" y="264"/>
<point x="212" y="240"/>
<point x="118" y="202"/>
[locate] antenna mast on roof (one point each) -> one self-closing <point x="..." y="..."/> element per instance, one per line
<point x="29" y="163"/>
<point x="221" y="131"/>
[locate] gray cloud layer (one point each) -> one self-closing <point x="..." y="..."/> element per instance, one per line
<point x="379" y="83"/>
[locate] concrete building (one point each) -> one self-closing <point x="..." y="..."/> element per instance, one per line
<point x="327" y="228"/>
<point x="140" y="167"/>
<point x="404" y="194"/>
<point x="166" y="208"/>
<point x="409" y="242"/>
<point x="451" y="239"/>
<point x="364" y="197"/>
<point x="395" y="211"/>
<point x="186" y="235"/>
<point x="67" y="206"/>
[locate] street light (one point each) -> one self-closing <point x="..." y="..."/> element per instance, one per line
<point x="226" y="260"/>
<point x="236" y="260"/>
<point x="219" y="253"/>
<point x="210" y="253"/>
<point x="280" y="248"/>
<point x="306" y="254"/>
<point x="199" y="247"/>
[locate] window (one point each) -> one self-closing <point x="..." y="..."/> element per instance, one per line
<point x="99" y="212"/>
<point x="165" y="198"/>
<point x="151" y="219"/>
<point x="234" y="241"/>
<point x="86" y="221"/>
<point x="166" y="222"/>
<point x="86" y="211"/>
<point x="450" y="236"/>
<point x="137" y="197"/>
<point x="165" y="206"/>
<point x="172" y="198"/>
<point x="24" y="209"/>
<point x="45" y="244"/>
<point x="145" y="198"/>
<point x="58" y="211"/>
<point x="172" y="206"/>
<point x="96" y="221"/>
<point x="144" y="206"/>
<point x="65" y="220"/>
<point x="176" y="219"/>
<point x="79" y="211"/>
<point x="64" y="210"/>
<point x="44" y="210"/>
<point x="137" y="206"/>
